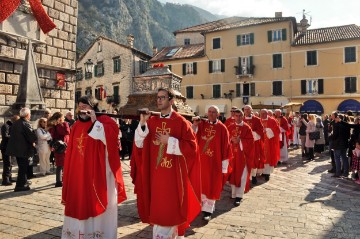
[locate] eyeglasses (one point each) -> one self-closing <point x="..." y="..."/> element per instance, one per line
<point x="162" y="97"/>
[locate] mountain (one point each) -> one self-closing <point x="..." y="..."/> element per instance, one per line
<point x="152" y="23"/>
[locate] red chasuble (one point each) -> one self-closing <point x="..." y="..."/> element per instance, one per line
<point x="283" y="123"/>
<point x="84" y="182"/>
<point x="258" y="157"/>
<point x="214" y="145"/>
<point x="271" y="146"/>
<point x="241" y="158"/>
<point x="168" y="186"/>
<point x="229" y="122"/>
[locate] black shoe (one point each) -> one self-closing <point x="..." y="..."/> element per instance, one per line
<point x="331" y="170"/>
<point x="254" y="180"/>
<point x="58" y="184"/>
<point x="19" y="189"/>
<point x="335" y="176"/>
<point x="6" y="183"/>
<point x="207" y="216"/>
<point x="31" y="176"/>
<point x="237" y="202"/>
<point x="267" y="177"/>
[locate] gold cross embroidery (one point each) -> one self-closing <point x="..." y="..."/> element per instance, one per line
<point x="161" y="130"/>
<point x="236" y="132"/>
<point x="80" y="143"/>
<point x="210" y="131"/>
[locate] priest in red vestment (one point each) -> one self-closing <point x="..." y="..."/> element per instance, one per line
<point x="231" y="120"/>
<point x="258" y="132"/>
<point x="166" y="170"/>
<point x="242" y="145"/>
<point x="271" y="143"/>
<point x="92" y="182"/>
<point x="284" y="132"/>
<point x="215" y="152"/>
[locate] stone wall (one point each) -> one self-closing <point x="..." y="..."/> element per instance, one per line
<point x="54" y="53"/>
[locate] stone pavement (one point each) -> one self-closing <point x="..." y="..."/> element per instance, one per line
<point x="301" y="200"/>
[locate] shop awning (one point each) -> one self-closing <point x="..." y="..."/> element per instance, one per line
<point x="349" y="104"/>
<point x="312" y="106"/>
<point x="222" y="108"/>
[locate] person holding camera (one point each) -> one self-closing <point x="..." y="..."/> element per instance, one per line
<point x="43" y="147"/>
<point x="93" y="184"/>
<point x="59" y="130"/>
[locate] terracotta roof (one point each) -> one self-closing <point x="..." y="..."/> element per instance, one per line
<point x="179" y="52"/>
<point x="210" y="25"/>
<point x="235" y="22"/>
<point x="329" y="34"/>
<point x="254" y="21"/>
<point x="134" y="50"/>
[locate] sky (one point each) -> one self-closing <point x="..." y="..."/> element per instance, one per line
<point x="323" y="13"/>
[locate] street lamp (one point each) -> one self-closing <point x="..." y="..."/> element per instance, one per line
<point x="89" y="65"/>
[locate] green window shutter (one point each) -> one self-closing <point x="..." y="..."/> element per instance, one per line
<point x="119" y="65"/>
<point x="210" y="66"/>
<point x="251" y="65"/>
<point x="222" y="65"/>
<point x="194" y="68"/>
<point x="252" y="89"/>
<point x="184" y="69"/>
<point x="274" y="61"/>
<point x="114" y="65"/>
<point x="283" y="34"/>
<point x="252" y="39"/>
<point x="269" y="36"/>
<point x="103" y="69"/>
<point x="303" y="87"/>
<point x="320" y="86"/>
<point x="238" y="40"/>
<point x="95" y="70"/>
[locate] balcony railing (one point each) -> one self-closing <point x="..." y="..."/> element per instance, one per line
<point x="244" y="71"/>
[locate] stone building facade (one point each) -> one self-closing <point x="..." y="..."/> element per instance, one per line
<point x="54" y="54"/>
<point x="115" y="65"/>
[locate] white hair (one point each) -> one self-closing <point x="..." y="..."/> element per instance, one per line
<point x="248" y="106"/>
<point x="24" y="112"/>
<point x="215" y="107"/>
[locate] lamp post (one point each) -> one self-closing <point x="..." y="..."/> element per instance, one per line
<point x="89" y="65"/>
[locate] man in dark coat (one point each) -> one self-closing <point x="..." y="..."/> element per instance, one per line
<point x="21" y="145"/>
<point x="339" y="145"/>
<point x="5" y="135"/>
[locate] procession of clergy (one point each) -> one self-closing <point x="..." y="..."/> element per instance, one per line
<point x="179" y="168"/>
<point x="245" y="147"/>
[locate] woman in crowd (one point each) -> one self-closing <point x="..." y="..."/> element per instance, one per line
<point x="310" y="127"/>
<point x="43" y="147"/>
<point x="59" y="130"/>
<point x="319" y="143"/>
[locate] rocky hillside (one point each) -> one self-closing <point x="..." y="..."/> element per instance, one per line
<point x="152" y="23"/>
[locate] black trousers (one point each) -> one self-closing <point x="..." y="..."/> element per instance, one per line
<point x="23" y="164"/>
<point x="6" y="175"/>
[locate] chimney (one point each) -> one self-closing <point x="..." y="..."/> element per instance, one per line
<point x="278" y="14"/>
<point x="130" y="40"/>
<point x="154" y="50"/>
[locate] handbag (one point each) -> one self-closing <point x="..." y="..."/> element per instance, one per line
<point x="314" y="135"/>
<point x="58" y="146"/>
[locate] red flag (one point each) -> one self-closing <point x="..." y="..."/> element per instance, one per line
<point x="8" y="7"/>
<point x="60" y="78"/>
